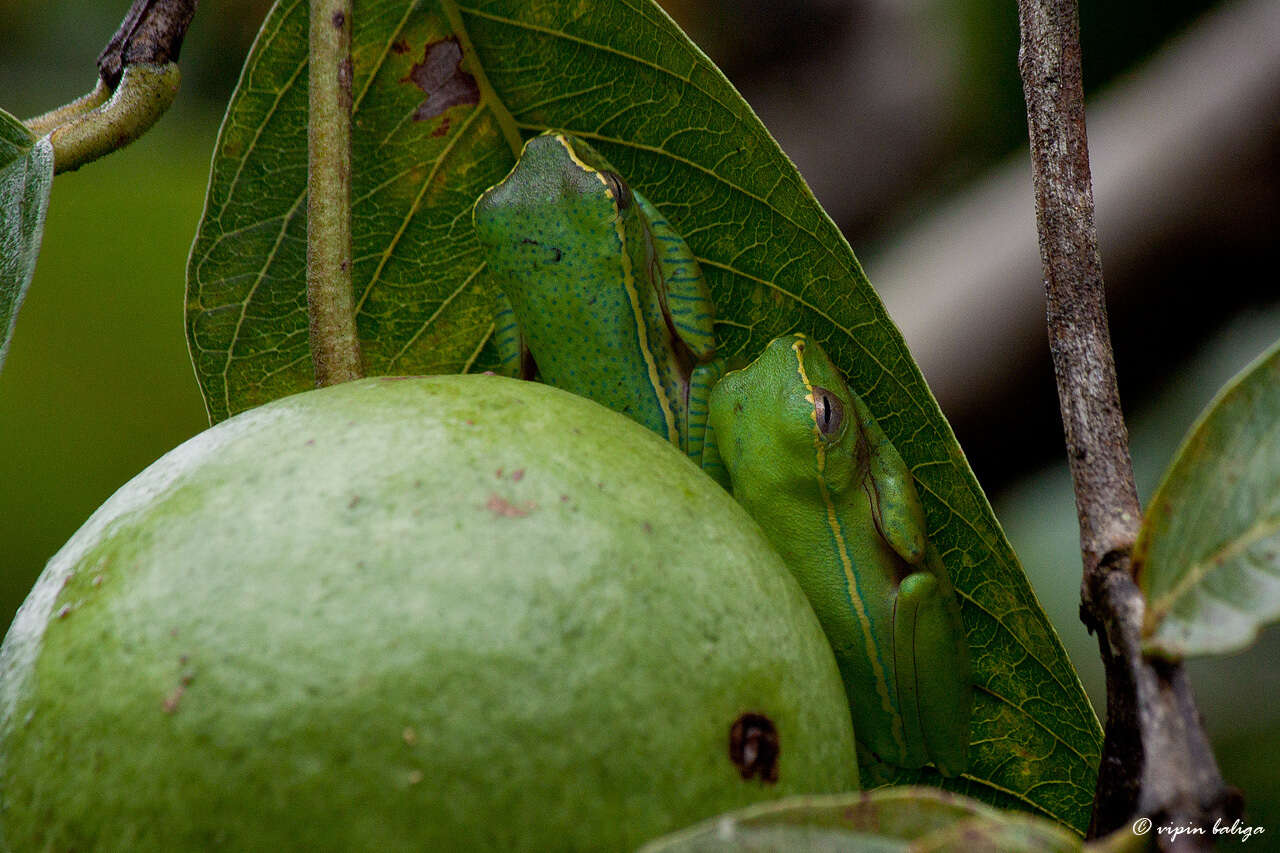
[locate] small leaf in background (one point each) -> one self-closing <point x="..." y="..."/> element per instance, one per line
<point x="905" y="819"/>
<point x="1208" y="554"/>
<point x="443" y="96"/>
<point x="26" y="174"/>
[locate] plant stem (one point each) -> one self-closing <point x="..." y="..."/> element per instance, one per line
<point x="144" y="93"/>
<point x="1156" y="759"/>
<point x="335" y="345"/>
<point x="46" y="123"/>
<point x="137" y="81"/>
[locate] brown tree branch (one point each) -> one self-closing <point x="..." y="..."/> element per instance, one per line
<point x="150" y="34"/>
<point x="1156" y="759"/>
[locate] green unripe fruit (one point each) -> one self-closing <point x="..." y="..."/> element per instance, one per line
<point x="428" y="614"/>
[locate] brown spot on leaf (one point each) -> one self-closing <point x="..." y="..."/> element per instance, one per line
<point x="753" y="747"/>
<point x="339" y="20"/>
<point x="500" y="506"/>
<point x="442" y="128"/>
<point x="400" y="47"/>
<point x="441" y="77"/>
<point x="517" y="475"/>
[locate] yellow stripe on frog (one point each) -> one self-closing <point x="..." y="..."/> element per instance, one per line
<point x="837" y="534"/>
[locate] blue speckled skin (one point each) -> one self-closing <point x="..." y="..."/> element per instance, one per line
<point x="602" y="292"/>
<point x="812" y="466"/>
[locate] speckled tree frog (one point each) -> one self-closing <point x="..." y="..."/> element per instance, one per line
<point x="819" y="475"/>
<point x="604" y="299"/>
<point x="600" y="295"/>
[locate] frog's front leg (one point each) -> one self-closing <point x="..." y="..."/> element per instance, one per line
<point x="931" y="666"/>
<point x="701" y="444"/>
<point x="514" y="359"/>
<point x="896" y="507"/>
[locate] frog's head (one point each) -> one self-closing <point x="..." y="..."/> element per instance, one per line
<point x="788" y="418"/>
<point x="562" y="197"/>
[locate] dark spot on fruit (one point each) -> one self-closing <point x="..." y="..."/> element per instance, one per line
<point x="355" y="500"/>
<point x="648" y="528"/>
<point x="310" y="442"/>
<point x="441" y="77"/>
<point x="753" y="747"/>
<point x="65" y="611"/>
<point x="504" y="508"/>
<point x="517" y="475"/>
<point x="171" y="701"/>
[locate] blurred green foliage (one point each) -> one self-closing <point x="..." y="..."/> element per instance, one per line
<point x="98" y="383"/>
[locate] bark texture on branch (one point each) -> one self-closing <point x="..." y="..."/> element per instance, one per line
<point x="150" y="34"/>
<point x="1156" y="759"/>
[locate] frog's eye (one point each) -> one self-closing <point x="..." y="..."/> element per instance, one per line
<point x="828" y="411"/>
<point x="617" y="188"/>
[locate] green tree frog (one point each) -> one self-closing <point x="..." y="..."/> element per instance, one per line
<point x="815" y="470"/>
<point x="600" y="295"/>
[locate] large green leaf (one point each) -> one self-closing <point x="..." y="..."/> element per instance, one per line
<point x="1208" y="554"/>
<point x="429" y="136"/>
<point x="26" y="175"/>
<point x="911" y="820"/>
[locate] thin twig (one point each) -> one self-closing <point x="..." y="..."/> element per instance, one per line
<point x="144" y="93"/>
<point x="137" y="82"/>
<point x="1156" y="759"/>
<point x="335" y="346"/>
<point x="150" y="34"/>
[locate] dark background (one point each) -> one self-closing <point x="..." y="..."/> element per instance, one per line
<point x="906" y="118"/>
